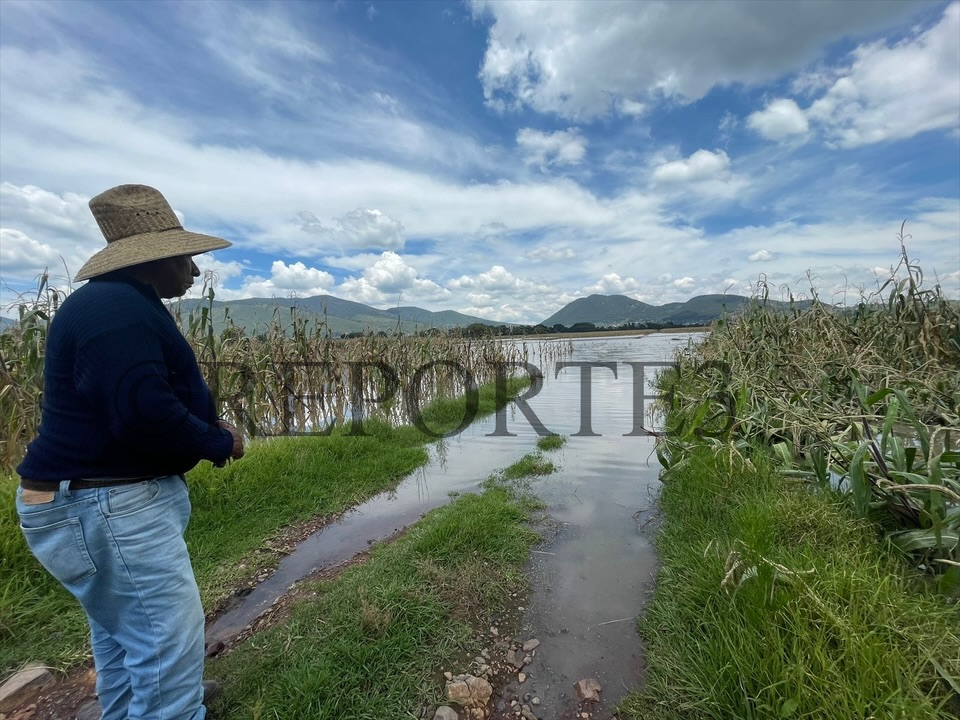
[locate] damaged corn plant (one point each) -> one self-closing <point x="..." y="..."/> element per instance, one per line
<point x="864" y="400"/>
<point x="287" y="376"/>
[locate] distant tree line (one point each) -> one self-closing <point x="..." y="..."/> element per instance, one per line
<point x="475" y="330"/>
<point x="481" y="330"/>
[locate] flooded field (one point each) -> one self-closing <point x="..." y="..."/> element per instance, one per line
<point x="589" y="583"/>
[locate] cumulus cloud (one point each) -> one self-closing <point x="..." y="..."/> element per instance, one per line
<point x="613" y="284"/>
<point x="580" y="59"/>
<point x="684" y="283"/>
<point x="45" y="230"/>
<point x="781" y="119"/>
<point x="563" y="147"/>
<point x="702" y="165"/>
<point x="761" y="256"/>
<point x="895" y="92"/>
<point x="295" y="279"/>
<point x="23" y="257"/>
<point x="496" y="278"/>
<point x="387" y="279"/>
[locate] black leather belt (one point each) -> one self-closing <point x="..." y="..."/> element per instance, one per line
<point x="83" y="483"/>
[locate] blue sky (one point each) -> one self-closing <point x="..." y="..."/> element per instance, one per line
<point x="496" y="158"/>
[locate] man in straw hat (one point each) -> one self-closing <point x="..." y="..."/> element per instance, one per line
<point x="102" y="499"/>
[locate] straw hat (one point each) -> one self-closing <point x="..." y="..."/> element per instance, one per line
<point x="140" y="226"/>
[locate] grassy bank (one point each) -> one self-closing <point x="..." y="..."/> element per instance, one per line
<point x="810" y="545"/>
<point x="237" y="511"/>
<point x="773" y="602"/>
<point x="369" y="645"/>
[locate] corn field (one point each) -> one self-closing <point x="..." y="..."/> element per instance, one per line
<point x="290" y="376"/>
<point x="864" y="399"/>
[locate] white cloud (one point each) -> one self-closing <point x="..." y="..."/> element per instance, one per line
<point x="23" y="257"/>
<point x="390" y="279"/>
<point x="613" y="284"/>
<point x="496" y="278"/>
<point x="358" y="229"/>
<point x="563" y="147"/>
<point x="295" y="279"/>
<point x="761" y="256"/>
<point x="632" y="108"/>
<point x="781" y="119"/>
<point x="702" y="165"/>
<point x="895" y="92"/>
<point x="580" y="58"/>
<point x="263" y="47"/>
<point x="551" y="253"/>
<point x="220" y="272"/>
<point x="684" y="283"/>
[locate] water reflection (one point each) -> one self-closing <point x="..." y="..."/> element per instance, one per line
<point x="600" y="567"/>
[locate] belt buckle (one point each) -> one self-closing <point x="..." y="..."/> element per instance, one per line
<point x="37" y="497"/>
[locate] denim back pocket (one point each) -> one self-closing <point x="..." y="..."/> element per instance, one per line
<point x="61" y="549"/>
<point x="124" y="499"/>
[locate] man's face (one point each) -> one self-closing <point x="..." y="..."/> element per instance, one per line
<point x="173" y="276"/>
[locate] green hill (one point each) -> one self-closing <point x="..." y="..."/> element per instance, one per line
<point x="612" y="310"/>
<point x="339" y="316"/>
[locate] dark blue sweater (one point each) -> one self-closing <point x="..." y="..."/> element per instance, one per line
<point x="122" y="393"/>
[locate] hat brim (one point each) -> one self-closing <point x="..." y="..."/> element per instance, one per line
<point x="136" y="249"/>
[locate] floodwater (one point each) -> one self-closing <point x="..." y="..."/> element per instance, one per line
<point x="589" y="583"/>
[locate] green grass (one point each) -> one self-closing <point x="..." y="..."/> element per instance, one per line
<point x="236" y="512"/>
<point x="530" y="465"/>
<point x="861" y="636"/>
<point x="551" y="442"/>
<point x="369" y="645"/>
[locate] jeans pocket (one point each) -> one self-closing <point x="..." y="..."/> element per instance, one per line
<point x="61" y="549"/>
<point x="125" y="499"/>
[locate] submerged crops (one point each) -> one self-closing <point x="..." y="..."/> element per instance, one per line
<point x="288" y="376"/>
<point x="866" y="399"/>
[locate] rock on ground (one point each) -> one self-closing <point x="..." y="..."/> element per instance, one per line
<point x="23" y="687"/>
<point x="588" y="689"/>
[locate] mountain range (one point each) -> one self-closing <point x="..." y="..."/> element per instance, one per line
<point x="344" y="316"/>
<point x="340" y="316"/>
<point x="611" y="310"/>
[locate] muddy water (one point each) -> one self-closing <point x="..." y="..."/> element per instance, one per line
<point x="456" y="465"/>
<point x="590" y="582"/>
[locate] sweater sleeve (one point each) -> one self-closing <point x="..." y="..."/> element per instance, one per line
<point x="123" y="373"/>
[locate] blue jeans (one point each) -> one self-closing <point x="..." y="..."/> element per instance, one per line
<point x="120" y="551"/>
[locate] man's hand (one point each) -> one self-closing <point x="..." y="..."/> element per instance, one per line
<point x="237" y="451"/>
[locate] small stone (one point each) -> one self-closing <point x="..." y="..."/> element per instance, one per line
<point x="585" y="716"/>
<point x="531" y="645"/>
<point x="521" y="608"/>
<point x="458" y="692"/>
<point x="521" y="677"/>
<point x="485" y="653"/>
<point x="448" y="675"/>
<point x="480" y="690"/>
<point x="494" y="631"/>
<point x="445" y="712"/>
<point x="535" y="701"/>
<point x="588" y="689"/>
<point x="516" y="659"/>
<point x="526" y="697"/>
